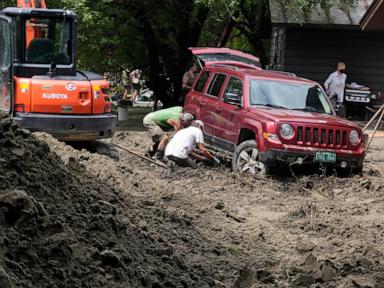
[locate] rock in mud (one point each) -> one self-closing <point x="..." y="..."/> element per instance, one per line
<point x="110" y="258"/>
<point x="361" y="283"/>
<point x="19" y="152"/>
<point x="14" y="202"/>
<point x="305" y="246"/>
<point x="219" y="205"/>
<point x="303" y="280"/>
<point x="328" y="273"/>
<point x="248" y="278"/>
<point x="311" y="263"/>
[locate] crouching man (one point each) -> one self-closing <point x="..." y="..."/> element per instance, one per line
<point x="181" y="147"/>
<point x="160" y="122"/>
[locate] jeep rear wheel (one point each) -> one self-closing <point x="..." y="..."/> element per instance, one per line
<point x="246" y="159"/>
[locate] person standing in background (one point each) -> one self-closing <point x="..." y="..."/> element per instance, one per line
<point x="188" y="78"/>
<point x="135" y="76"/>
<point x="125" y="80"/>
<point x="335" y="85"/>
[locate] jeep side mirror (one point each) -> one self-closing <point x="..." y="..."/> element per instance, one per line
<point x="232" y="98"/>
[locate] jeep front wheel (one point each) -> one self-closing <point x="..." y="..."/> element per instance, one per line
<point x="246" y="159"/>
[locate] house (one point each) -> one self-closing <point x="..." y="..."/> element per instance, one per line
<point x="310" y="44"/>
<point x="374" y="17"/>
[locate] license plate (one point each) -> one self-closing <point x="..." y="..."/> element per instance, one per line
<point x="66" y="109"/>
<point x="325" y="157"/>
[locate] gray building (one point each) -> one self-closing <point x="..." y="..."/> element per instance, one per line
<point x="310" y="44"/>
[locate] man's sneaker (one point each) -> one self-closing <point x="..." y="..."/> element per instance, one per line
<point x="150" y="153"/>
<point x="160" y="155"/>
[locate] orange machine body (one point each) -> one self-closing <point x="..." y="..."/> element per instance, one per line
<point x="61" y="96"/>
<point x="40" y="86"/>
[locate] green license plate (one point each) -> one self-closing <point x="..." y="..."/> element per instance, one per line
<point x="325" y="157"/>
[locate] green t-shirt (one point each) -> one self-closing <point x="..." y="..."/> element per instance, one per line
<point x="162" y="116"/>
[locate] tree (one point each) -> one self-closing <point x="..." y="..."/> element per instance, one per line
<point x="154" y="35"/>
<point x="168" y="28"/>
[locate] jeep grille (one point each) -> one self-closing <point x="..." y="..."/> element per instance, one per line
<point x="322" y="137"/>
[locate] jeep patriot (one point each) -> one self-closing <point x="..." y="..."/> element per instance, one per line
<point x="264" y="119"/>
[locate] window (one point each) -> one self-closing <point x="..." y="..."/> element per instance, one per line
<point x="47" y="41"/>
<point x="285" y="95"/>
<point x="215" y="86"/>
<point x="199" y="87"/>
<point x="227" y="57"/>
<point x="4" y="44"/>
<point x="234" y="86"/>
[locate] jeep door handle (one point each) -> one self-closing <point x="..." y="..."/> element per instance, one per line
<point x="202" y="103"/>
<point x="219" y="109"/>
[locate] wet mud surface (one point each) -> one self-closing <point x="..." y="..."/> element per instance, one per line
<point x="72" y="218"/>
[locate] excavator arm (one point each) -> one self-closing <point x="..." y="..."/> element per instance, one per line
<point x="31" y="4"/>
<point x="32" y="32"/>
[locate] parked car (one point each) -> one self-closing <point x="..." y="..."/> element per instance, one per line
<point x="266" y="119"/>
<point x="146" y="99"/>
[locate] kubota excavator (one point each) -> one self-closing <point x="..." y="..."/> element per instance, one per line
<point x="40" y="86"/>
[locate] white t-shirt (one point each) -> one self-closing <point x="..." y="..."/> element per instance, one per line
<point x="335" y="85"/>
<point x="135" y="76"/>
<point x="184" y="142"/>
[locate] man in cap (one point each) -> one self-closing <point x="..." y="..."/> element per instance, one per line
<point x="181" y="147"/>
<point x="160" y="122"/>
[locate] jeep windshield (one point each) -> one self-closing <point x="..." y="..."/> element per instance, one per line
<point x="286" y="95"/>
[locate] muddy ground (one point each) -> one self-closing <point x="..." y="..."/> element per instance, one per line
<point x="99" y="222"/>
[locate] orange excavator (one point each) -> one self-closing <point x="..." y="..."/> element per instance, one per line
<point x="40" y="86"/>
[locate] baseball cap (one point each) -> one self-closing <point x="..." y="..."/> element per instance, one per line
<point x="199" y="123"/>
<point x="187" y="117"/>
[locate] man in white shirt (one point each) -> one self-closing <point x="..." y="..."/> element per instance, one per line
<point x="335" y="85"/>
<point x="180" y="148"/>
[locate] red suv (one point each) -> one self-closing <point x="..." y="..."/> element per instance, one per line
<point x="263" y="119"/>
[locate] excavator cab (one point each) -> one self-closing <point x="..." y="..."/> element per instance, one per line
<point x="42" y="37"/>
<point x="40" y="86"/>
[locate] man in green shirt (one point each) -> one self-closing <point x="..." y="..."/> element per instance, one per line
<point x="161" y="121"/>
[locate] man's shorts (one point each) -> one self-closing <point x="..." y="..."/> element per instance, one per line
<point x="136" y="86"/>
<point x="155" y="132"/>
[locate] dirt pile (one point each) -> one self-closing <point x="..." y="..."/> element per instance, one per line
<point x="311" y="231"/>
<point x="61" y="227"/>
<point x="79" y="219"/>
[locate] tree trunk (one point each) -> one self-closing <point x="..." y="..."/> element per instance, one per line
<point x="187" y="40"/>
<point x="227" y="30"/>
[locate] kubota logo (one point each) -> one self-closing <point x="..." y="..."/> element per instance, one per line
<point x="54" y="96"/>
<point x="70" y="86"/>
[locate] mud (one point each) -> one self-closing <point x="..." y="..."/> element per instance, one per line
<point x="71" y="218"/>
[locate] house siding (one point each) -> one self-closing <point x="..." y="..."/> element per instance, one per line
<point x="313" y="53"/>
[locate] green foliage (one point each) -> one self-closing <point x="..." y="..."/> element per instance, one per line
<point x="107" y="38"/>
<point x="7" y="3"/>
<point x="307" y="5"/>
<point x="119" y="34"/>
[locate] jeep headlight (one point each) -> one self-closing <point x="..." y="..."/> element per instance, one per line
<point x="286" y="131"/>
<point x="354" y="137"/>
